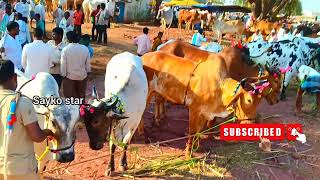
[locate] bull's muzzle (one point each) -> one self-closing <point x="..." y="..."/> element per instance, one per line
<point x="65" y="157"/>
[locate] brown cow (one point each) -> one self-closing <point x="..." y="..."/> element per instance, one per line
<point x="238" y="66"/>
<point x="189" y="17"/>
<point x="205" y="87"/>
<point x="265" y="27"/>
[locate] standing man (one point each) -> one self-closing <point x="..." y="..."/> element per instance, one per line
<point x="143" y="42"/>
<point x="39" y="23"/>
<point x="8" y="17"/>
<point x="102" y="19"/>
<point x="37" y="56"/>
<point x="58" y="15"/>
<point x="67" y="25"/>
<point x="78" y="20"/>
<point x="17" y="156"/>
<point x="39" y="9"/>
<point x="32" y="7"/>
<point x="57" y="44"/>
<point x="93" y="21"/>
<point x="111" y="5"/>
<point x="10" y="46"/>
<point x="75" y="67"/>
<point x="23" y="8"/>
<point x="24" y="36"/>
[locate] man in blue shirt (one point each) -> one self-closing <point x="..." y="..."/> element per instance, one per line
<point x="198" y="38"/>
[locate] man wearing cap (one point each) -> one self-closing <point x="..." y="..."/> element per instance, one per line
<point x="17" y="156"/>
<point x="143" y="42"/>
<point x="10" y="46"/>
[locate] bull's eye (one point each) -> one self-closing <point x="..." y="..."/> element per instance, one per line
<point x="54" y="124"/>
<point x="249" y="101"/>
<point x="95" y="122"/>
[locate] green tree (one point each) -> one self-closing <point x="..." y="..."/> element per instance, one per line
<point x="268" y="9"/>
<point x="293" y="9"/>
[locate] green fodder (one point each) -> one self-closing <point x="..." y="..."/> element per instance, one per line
<point x="176" y="166"/>
<point x="237" y="155"/>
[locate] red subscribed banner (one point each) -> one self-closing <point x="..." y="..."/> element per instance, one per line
<point x="252" y="132"/>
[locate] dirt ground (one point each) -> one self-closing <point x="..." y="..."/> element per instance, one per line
<point x="242" y="160"/>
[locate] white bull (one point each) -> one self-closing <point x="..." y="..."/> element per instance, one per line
<point x="230" y="27"/>
<point x="61" y="119"/>
<point x="117" y="116"/>
<point x="165" y="14"/>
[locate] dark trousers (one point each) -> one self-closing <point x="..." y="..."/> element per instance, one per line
<point x="73" y="88"/>
<point x="102" y="31"/>
<point x="77" y="29"/>
<point x="58" y="79"/>
<point x="94" y="28"/>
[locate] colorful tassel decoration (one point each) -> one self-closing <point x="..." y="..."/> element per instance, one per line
<point x="11" y="119"/>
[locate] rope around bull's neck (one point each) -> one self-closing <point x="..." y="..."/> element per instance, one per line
<point x="186" y="91"/>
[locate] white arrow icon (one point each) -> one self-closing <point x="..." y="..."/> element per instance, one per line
<point x="301" y="137"/>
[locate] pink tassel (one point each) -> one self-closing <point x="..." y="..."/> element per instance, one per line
<point x="282" y="70"/>
<point x="91" y="110"/>
<point x="33" y="77"/>
<point x="275" y="75"/>
<point x="82" y="112"/>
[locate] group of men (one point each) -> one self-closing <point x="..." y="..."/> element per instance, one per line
<point x="100" y="19"/>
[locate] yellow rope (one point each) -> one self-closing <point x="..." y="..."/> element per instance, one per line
<point x="39" y="158"/>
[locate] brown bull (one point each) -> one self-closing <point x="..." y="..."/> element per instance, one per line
<point x="205" y="87"/>
<point x="189" y="17"/>
<point x="237" y="63"/>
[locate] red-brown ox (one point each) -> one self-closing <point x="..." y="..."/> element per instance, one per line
<point x="189" y="17"/>
<point x="265" y="27"/>
<point x="205" y="87"/>
<point x="238" y="66"/>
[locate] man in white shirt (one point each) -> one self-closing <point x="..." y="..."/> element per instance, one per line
<point x="111" y="5"/>
<point x="23" y="8"/>
<point x="40" y="9"/>
<point x="24" y="33"/>
<point x="198" y="38"/>
<point x="58" y="15"/>
<point x="67" y="25"/>
<point x="75" y="67"/>
<point x="102" y="23"/>
<point x="32" y="7"/>
<point x="58" y="45"/>
<point x="37" y="56"/>
<point x="143" y="42"/>
<point x="10" y="45"/>
<point x="281" y="32"/>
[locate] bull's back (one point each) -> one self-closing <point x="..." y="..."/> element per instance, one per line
<point x="185" y="50"/>
<point x="237" y="65"/>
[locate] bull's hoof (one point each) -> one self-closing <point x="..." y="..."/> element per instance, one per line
<point x="123" y="168"/>
<point x="109" y="172"/>
<point x="283" y="97"/>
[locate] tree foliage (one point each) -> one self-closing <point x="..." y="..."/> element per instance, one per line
<point x="268" y="9"/>
<point x="294" y="8"/>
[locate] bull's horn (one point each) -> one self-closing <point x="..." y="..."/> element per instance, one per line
<point x="94" y="92"/>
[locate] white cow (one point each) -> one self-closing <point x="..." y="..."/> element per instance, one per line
<point x="61" y="119"/>
<point x="117" y="116"/>
<point x="166" y="14"/>
<point x="221" y="27"/>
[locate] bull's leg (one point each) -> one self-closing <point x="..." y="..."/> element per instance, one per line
<point x="123" y="159"/>
<point x="196" y="124"/>
<point x="299" y="101"/>
<point x="283" y="95"/>
<point x="318" y="102"/>
<point x="110" y="168"/>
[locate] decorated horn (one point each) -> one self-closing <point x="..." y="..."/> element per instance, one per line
<point x="112" y="102"/>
